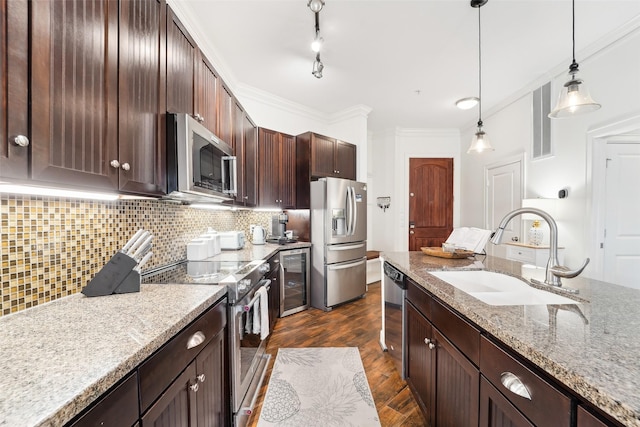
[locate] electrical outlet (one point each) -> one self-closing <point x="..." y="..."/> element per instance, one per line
<point x="251" y="227"/>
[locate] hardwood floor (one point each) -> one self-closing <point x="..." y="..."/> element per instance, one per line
<point x="356" y="324"/>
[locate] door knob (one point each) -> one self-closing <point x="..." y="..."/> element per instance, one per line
<point x="411" y="194"/>
<point x="412" y="232"/>
<point x="21" y="141"/>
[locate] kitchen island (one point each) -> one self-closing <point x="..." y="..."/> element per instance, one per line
<point x="592" y="349"/>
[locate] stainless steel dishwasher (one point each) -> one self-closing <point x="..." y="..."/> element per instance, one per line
<point x="394" y="288"/>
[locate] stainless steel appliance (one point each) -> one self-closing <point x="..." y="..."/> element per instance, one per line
<point x="231" y="240"/>
<point x="247" y="357"/>
<point x="200" y="166"/>
<point x="338" y="237"/>
<point x="394" y="291"/>
<point x="294" y="281"/>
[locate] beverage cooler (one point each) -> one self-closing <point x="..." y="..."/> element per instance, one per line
<point x="294" y="281"/>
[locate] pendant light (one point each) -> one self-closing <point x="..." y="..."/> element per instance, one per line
<point x="480" y="141"/>
<point x="574" y="97"/>
<point x="316" y="6"/>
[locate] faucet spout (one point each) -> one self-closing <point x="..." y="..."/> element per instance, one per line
<point x="554" y="270"/>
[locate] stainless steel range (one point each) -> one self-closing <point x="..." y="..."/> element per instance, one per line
<point x="247" y="357"/>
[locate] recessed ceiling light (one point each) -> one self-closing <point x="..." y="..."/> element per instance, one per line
<point x="467" y="103"/>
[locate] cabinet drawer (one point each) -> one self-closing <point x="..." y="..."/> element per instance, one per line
<point x="460" y="332"/>
<point x="546" y="405"/>
<point x="157" y="372"/>
<point x="419" y="297"/>
<point x="518" y="253"/>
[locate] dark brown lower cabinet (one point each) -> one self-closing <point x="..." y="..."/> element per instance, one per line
<point x="444" y="381"/>
<point x="177" y="405"/>
<point x="497" y="411"/>
<point x="586" y="419"/>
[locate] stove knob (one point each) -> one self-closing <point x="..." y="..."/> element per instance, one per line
<point x="244" y="284"/>
<point x="264" y="268"/>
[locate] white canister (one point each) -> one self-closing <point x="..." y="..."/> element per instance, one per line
<point x="213" y="240"/>
<point x="197" y="249"/>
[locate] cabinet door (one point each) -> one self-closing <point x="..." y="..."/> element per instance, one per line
<point x="177" y="405"/>
<point x="322" y="156"/>
<point x="181" y="55"/>
<point x="225" y="114"/>
<point x="206" y="93"/>
<point x="268" y="168"/>
<point x="457" y="386"/>
<point x="74" y="79"/>
<point x="420" y="362"/>
<point x="250" y="162"/>
<point x="213" y="391"/>
<point x="14" y="78"/>
<point x="345" y="160"/>
<point x="586" y="419"/>
<point x="288" y="175"/>
<point x="496" y="411"/>
<point x="238" y="143"/>
<point x="142" y="106"/>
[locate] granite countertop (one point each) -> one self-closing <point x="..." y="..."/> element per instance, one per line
<point x="55" y="359"/>
<point x="592" y="347"/>
<point x="252" y="252"/>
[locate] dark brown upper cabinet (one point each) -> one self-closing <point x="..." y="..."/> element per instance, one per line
<point x="14" y="89"/>
<point x="206" y="93"/>
<point x="97" y="103"/>
<point x="245" y="138"/>
<point x="181" y="66"/>
<point x="319" y="156"/>
<point x="226" y="109"/>
<point x="276" y="169"/>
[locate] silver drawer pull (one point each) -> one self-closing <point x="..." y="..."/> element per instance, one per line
<point x="201" y="378"/>
<point x="194" y="387"/>
<point x="195" y="340"/>
<point x="514" y="385"/>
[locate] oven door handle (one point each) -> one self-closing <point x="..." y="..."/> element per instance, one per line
<point x="263" y="283"/>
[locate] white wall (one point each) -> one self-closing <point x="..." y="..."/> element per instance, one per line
<point x="612" y="73"/>
<point x="390" y="177"/>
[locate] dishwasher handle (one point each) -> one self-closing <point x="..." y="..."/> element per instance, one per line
<point x="393" y="274"/>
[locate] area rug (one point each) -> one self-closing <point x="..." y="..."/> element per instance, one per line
<point x="318" y="386"/>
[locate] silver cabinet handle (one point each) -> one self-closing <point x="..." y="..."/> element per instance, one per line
<point x="21" y="141"/>
<point x="201" y="378"/>
<point x="126" y="166"/>
<point x="346" y="247"/>
<point x="431" y="346"/>
<point x="427" y="340"/>
<point x="195" y="340"/>
<point x="515" y="385"/>
<point x="114" y="164"/>
<point x="194" y="387"/>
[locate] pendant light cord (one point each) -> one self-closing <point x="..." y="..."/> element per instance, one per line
<point x="573" y="68"/>
<point x="479" y="71"/>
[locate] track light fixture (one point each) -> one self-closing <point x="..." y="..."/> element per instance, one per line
<point x="480" y="141"/>
<point x="316" y="6"/>
<point x="574" y="97"/>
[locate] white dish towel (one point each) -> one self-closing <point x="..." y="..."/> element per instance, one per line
<point x="261" y="313"/>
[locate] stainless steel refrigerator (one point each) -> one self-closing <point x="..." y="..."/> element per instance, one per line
<point x="339" y="241"/>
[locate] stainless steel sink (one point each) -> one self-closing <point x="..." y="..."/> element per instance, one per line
<point x="499" y="289"/>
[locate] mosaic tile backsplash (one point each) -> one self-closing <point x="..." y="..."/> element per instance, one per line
<point x="51" y="247"/>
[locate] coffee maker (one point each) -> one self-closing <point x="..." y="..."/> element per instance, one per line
<point x="279" y="225"/>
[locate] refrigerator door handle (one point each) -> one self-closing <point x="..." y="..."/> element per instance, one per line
<point x="354" y="211"/>
<point x="348" y="212"/>
<point x="345" y="248"/>
<point x="343" y="266"/>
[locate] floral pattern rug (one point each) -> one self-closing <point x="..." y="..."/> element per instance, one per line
<point x="318" y="386"/>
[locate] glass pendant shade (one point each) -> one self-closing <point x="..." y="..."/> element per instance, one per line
<point x="315" y="5"/>
<point x="480" y="142"/>
<point x="316" y="44"/>
<point x="573" y="99"/>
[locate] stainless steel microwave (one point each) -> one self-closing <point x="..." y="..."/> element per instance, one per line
<point x="200" y="166"/>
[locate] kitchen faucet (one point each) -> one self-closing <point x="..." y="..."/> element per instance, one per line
<point x="554" y="271"/>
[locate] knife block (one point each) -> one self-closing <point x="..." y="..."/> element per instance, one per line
<point x="116" y="277"/>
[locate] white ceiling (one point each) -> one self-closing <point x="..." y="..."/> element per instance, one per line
<point x="407" y="60"/>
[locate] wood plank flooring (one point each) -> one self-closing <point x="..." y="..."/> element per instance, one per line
<point x="355" y="324"/>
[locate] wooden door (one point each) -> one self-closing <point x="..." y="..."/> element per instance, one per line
<point x="288" y="171"/>
<point x="176" y="407"/>
<point x="225" y="114"/>
<point x="346" y="160"/>
<point x="430" y="202"/>
<point x="74" y="79"/>
<point x="268" y="168"/>
<point x="457" y="386"/>
<point x="206" y="93"/>
<point x="322" y="156"/>
<point x="420" y="362"/>
<point x="181" y="62"/>
<point x="250" y="162"/>
<point x="622" y="210"/>
<point x="142" y="106"/>
<point x="504" y="194"/>
<point x="212" y="397"/>
<point x="14" y="78"/>
<point x="497" y="411"/>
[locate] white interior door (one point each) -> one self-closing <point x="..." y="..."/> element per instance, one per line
<point x="504" y="194"/>
<point x="622" y="213"/>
